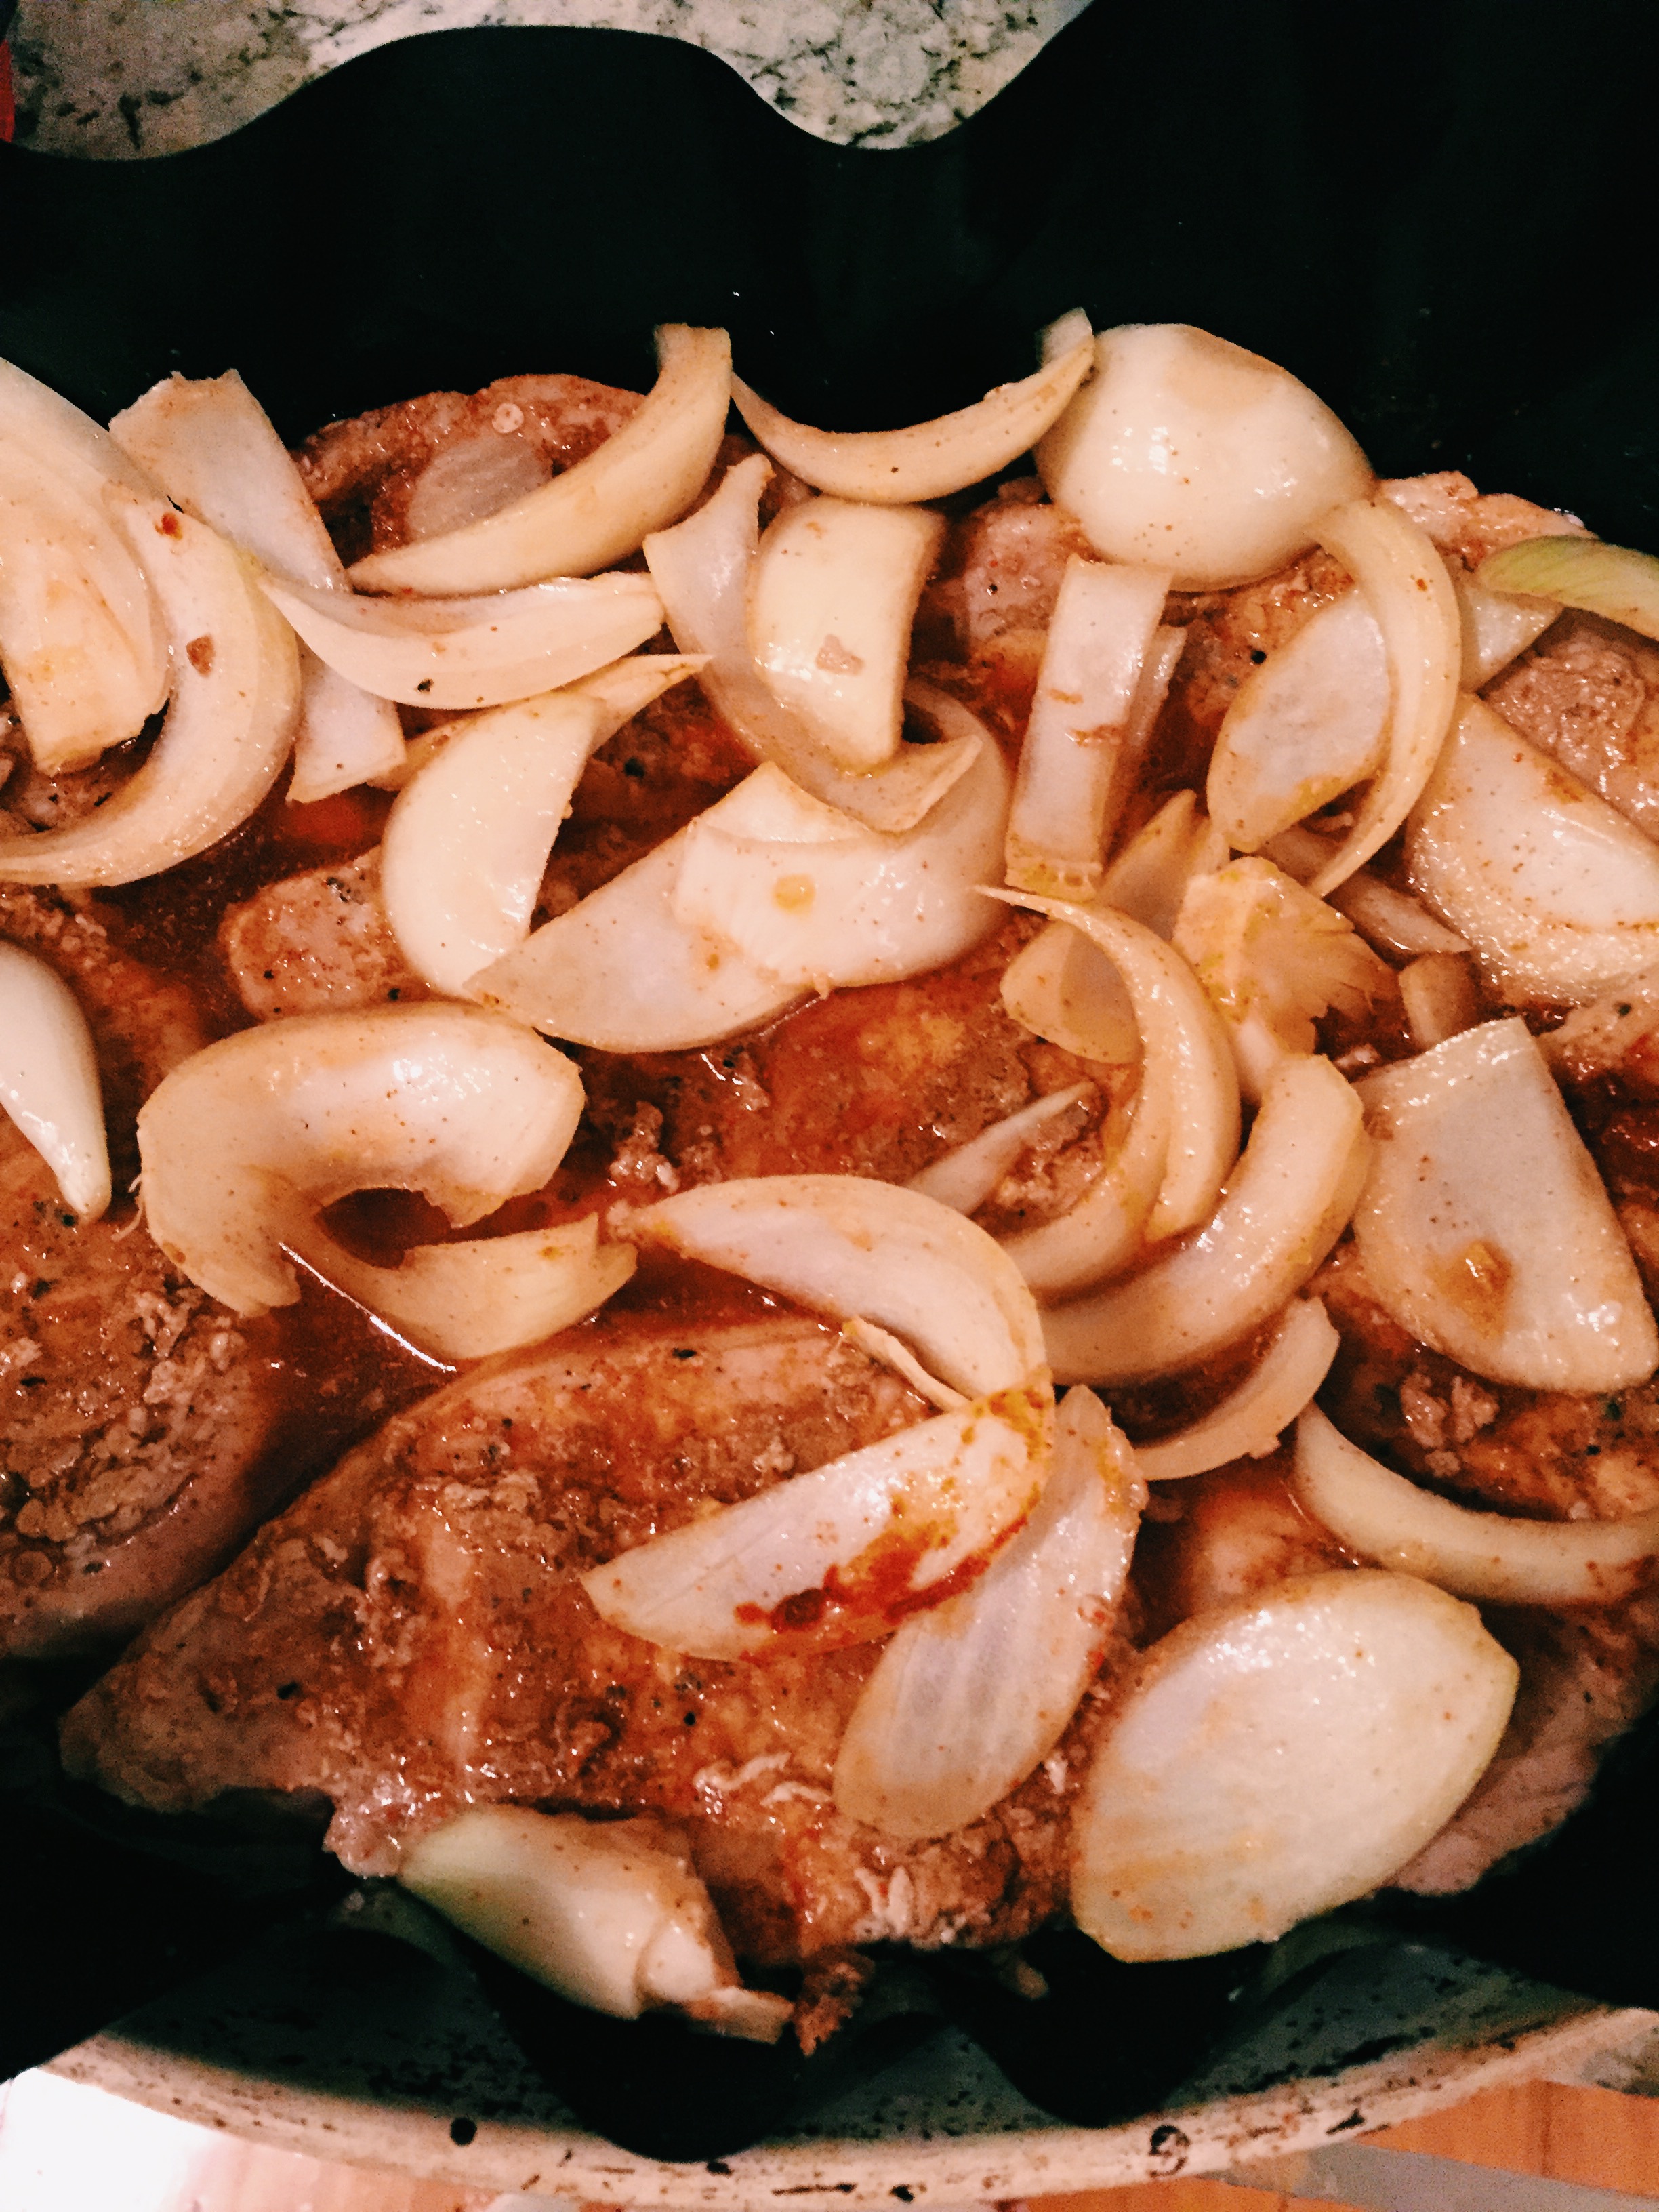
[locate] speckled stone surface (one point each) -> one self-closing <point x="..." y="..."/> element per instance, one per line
<point x="117" y="79"/>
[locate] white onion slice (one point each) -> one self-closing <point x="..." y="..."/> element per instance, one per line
<point x="1189" y="452"/>
<point x="472" y="652"/>
<point x="831" y="598"/>
<point x="1280" y="1757"/>
<point x="1107" y="1228"/>
<point x="702" y="567"/>
<point x="1381" y="1516"/>
<point x="968" y="1697"/>
<point x="843" y="1554"/>
<point x="608" y="1913"/>
<point x="964" y="1177"/>
<point x="1065" y="988"/>
<point x="1580" y="572"/>
<point x="597" y="510"/>
<point x="1149" y="879"/>
<point x="345" y="735"/>
<point x="924" y="460"/>
<point x="64" y="440"/>
<point x="1485" y="1228"/>
<point x="1441" y="997"/>
<point x="1387" y="919"/>
<point x="49" y="1078"/>
<point x="1405" y="584"/>
<point x="236" y="694"/>
<point x="1308" y="725"/>
<point x="246" y="1137"/>
<point x="881" y="1344"/>
<point x="1250" y="1420"/>
<point x="1282" y="1209"/>
<point x="1497" y="627"/>
<point x="1070" y="762"/>
<point x="1553" y="887"/>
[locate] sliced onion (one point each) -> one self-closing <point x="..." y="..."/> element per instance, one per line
<point x="970" y="1696"/>
<point x="881" y="1344"/>
<point x="1406" y="586"/>
<point x="1282" y="1211"/>
<point x="1389" y="920"/>
<point x="1553" y="887"/>
<point x="1308" y="725"/>
<point x="1070" y="762"/>
<point x="1496" y="627"/>
<point x="965" y="1177"/>
<point x="1250" y="1420"/>
<point x="1063" y="987"/>
<point x="831" y="598"/>
<point x="235" y="694"/>
<point x="1506" y="1255"/>
<point x="1107" y="1228"/>
<point x="1189" y="452"/>
<point x="1441" y="997"/>
<point x="345" y="735"/>
<point x="609" y="1914"/>
<point x="1278" y="1757"/>
<point x="1580" y="572"/>
<point x="70" y="443"/>
<point x="843" y="1554"/>
<point x="245" y="1138"/>
<point x="472" y="652"/>
<point x="49" y="1079"/>
<point x="1381" y="1515"/>
<point x="703" y="567"/>
<point x="597" y="510"/>
<point x="1150" y="876"/>
<point x="925" y="460"/>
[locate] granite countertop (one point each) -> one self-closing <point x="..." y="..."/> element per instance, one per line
<point x="117" y="79"/>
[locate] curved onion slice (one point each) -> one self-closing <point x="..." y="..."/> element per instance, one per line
<point x="602" y="507"/>
<point x="843" y="1554"/>
<point x="1064" y="988"/>
<point x="925" y="460"/>
<point x="965" y="1177"/>
<point x="67" y="441"/>
<point x="1553" y="887"/>
<point x="1382" y="1516"/>
<point x="607" y="1913"/>
<point x="244" y="1137"/>
<point x="1485" y="1228"/>
<point x="1496" y="627"/>
<point x="970" y="1696"/>
<point x="472" y="652"/>
<point x="831" y="598"/>
<point x="1441" y="997"/>
<point x="1308" y="725"/>
<point x="235" y="693"/>
<point x="702" y="567"/>
<point x="1383" y="916"/>
<point x="1188" y="451"/>
<point x="1283" y="1207"/>
<point x="1580" y="572"/>
<point x="1250" y="1420"/>
<point x="49" y="1078"/>
<point x="1150" y="876"/>
<point x="1406" y="586"/>
<point x="1276" y="1758"/>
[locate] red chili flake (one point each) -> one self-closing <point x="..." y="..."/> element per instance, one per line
<point x="200" y="654"/>
<point x="168" y="524"/>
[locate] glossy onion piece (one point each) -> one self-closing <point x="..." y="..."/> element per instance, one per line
<point x="236" y="694"/>
<point x="246" y="1139"/>
<point x="1553" y="887"/>
<point x="703" y="568"/>
<point x="843" y="1554"/>
<point x="925" y="460"/>
<point x="1071" y="761"/>
<point x="466" y="844"/>
<point x="831" y="598"/>
<point x="1485" y="1228"/>
<point x="1191" y="452"/>
<point x="1283" y="1207"/>
<point x="43" y="422"/>
<point x="970" y="1696"/>
<point x="620" y="689"/>
<point x="1250" y="1420"/>
<point x="1279" y="1757"/>
<point x="1148" y="880"/>
<point x="608" y="1913"/>
<point x="964" y="1177"/>
<point x="599" y="510"/>
<point x="1441" y="997"/>
<point x="1384" y="917"/>
<point x="49" y="1078"/>
<point x="83" y="650"/>
<point x="1497" y="628"/>
<point x="1381" y="1515"/>
<point x="1580" y="572"/>
<point x="472" y="652"/>
<point x="1406" y="586"/>
<point x="1308" y="725"/>
<point x="1063" y="987"/>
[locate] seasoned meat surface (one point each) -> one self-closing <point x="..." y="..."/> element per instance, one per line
<point x="1587" y="692"/>
<point x="318" y="943"/>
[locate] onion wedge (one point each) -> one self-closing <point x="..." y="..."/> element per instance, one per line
<point x="1278" y="1757"/>
<point x="968" y="1696"/>
<point x="843" y="1554"/>
<point x="246" y="1138"/>
<point x="1062" y="986"/>
<point x="1406" y="586"/>
<point x="1381" y="1515"/>
<point x="965" y="1177"/>
<point x="235" y="694"/>
<point x="640" y="478"/>
<point x="1149" y="877"/>
<point x="1283" y="1207"/>
<point x="64" y="440"/>
<point x="925" y="460"/>
<point x="49" y="1079"/>
<point x="1497" y="628"/>
<point x="1580" y="572"/>
<point x="1250" y="1420"/>
<point x="1484" y="1227"/>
